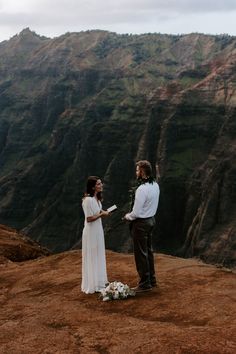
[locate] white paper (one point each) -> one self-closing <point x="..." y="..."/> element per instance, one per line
<point x="113" y="207"/>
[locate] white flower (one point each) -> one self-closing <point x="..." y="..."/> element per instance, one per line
<point x="120" y="288"/>
<point x="116" y="290"/>
<point x="103" y="292"/>
<point x="105" y="298"/>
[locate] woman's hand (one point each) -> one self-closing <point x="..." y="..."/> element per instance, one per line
<point x="104" y="213"/>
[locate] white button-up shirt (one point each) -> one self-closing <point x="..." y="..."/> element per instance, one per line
<point x="146" y="201"/>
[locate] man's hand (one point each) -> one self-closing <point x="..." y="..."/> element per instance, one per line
<point x="125" y="217"/>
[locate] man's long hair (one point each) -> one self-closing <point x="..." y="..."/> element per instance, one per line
<point x="146" y="167"/>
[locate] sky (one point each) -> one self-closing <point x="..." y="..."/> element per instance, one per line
<point x="53" y="18"/>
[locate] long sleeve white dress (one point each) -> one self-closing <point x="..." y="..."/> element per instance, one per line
<point x="94" y="273"/>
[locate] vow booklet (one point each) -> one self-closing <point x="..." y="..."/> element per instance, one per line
<point x="112" y="208"/>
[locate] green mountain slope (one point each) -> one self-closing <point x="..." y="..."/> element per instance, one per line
<point x="93" y="103"/>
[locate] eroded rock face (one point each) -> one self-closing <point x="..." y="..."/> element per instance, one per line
<point x="16" y="247"/>
<point x="94" y="102"/>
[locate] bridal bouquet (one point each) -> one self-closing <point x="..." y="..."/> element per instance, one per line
<point x="116" y="291"/>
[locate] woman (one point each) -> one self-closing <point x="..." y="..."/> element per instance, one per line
<point x="94" y="274"/>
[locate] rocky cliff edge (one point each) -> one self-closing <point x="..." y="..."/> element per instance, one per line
<point x="42" y="309"/>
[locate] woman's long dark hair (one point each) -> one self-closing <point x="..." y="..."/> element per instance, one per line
<point x="90" y="189"/>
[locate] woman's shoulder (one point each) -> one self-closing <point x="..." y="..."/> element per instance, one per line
<point x="87" y="199"/>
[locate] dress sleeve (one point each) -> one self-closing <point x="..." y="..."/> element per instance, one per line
<point x="87" y="207"/>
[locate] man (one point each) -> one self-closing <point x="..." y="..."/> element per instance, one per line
<point x="142" y="224"/>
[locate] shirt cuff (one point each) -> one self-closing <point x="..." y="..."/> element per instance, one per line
<point x="130" y="217"/>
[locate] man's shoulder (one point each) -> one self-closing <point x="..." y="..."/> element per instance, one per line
<point x="152" y="188"/>
<point x="156" y="186"/>
<point x="148" y="185"/>
<point x="142" y="186"/>
<point x="153" y="183"/>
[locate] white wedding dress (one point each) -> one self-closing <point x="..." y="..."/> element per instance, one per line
<point x="94" y="273"/>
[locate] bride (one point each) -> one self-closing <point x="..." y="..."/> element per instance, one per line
<point x="94" y="273"/>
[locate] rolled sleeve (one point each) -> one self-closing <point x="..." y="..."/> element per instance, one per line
<point x="138" y="205"/>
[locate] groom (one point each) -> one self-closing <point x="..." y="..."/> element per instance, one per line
<point x="142" y="224"/>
